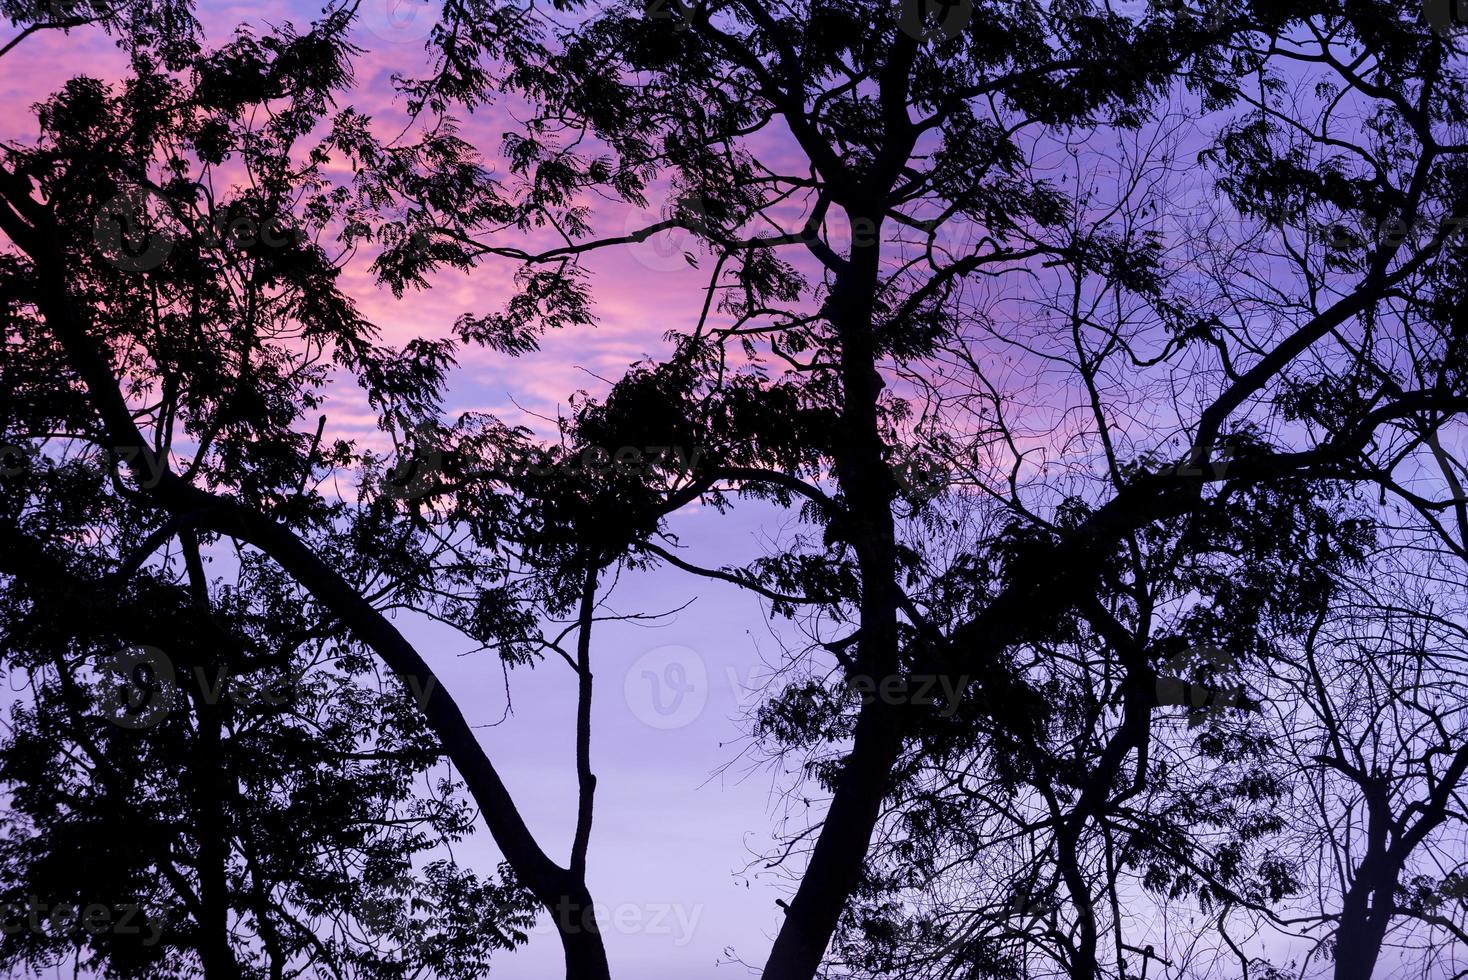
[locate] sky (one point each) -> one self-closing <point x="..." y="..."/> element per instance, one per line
<point x="684" y="814"/>
<point x="681" y="812"/>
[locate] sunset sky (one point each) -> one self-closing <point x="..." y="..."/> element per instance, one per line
<point x="687" y="812"/>
<point x="674" y="834"/>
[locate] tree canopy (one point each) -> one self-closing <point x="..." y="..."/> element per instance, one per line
<point x="1102" y="364"/>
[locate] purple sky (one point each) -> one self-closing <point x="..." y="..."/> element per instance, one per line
<point x="681" y="812"/>
<point x="673" y="837"/>
<point x="670" y="837"/>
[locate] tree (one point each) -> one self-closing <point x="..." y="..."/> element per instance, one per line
<point x="258" y="814"/>
<point x="1368" y="708"/>
<point x="914" y="163"/>
<point x="260" y="801"/>
<point x="932" y="238"/>
<point x="1155" y="782"/>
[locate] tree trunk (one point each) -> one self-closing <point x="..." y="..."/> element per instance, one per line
<point x="837" y="861"/>
<point x="586" y="955"/>
<point x="1365" y="915"/>
<point x="214" y="835"/>
<point x="1083" y="950"/>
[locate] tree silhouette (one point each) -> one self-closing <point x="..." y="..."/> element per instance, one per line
<point x="1096" y="351"/>
<point x="917" y="168"/>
